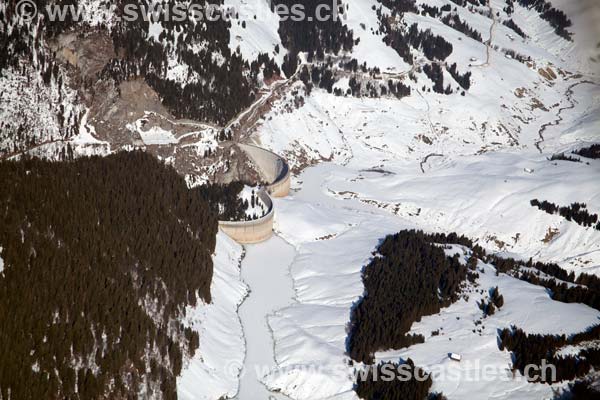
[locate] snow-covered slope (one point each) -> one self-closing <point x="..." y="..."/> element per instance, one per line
<point x="370" y="48"/>
<point x="254" y="29"/>
<point x="484" y="371"/>
<point x="441" y="163"/>
<point x="469" y="161"/>
<point x="339" y="214"/>
<point x="213" y="372"/>
<point x="583" y="52"/>
<point x="510" y="103"/>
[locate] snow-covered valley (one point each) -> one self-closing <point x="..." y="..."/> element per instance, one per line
<point x="337" y="214"/>
<point x="339" y="211"/>
<point x="265" y="271"/>
<point x="366" y="168"/>
<point x="336" y="240"/>
<point x="214" y="372"/>
<point x="443" y="116"/>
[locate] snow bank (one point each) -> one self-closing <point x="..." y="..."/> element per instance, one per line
<point x="157" y="135"/>
<point x="214" y="370"/>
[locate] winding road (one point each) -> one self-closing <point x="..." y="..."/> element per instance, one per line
<point x="488" y="43"/>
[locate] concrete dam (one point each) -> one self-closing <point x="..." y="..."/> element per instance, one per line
<point x="275" y="170"/>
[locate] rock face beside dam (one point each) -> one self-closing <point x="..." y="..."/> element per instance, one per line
<point x="275" y="170"/>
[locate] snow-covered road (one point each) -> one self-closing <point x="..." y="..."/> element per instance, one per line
<point x="265" y="270"/>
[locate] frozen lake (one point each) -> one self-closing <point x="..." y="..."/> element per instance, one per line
<point x="265" y="269"/>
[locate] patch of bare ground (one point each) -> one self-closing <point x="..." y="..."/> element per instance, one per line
<point x="537" y="104"/>
<point x="550" y="235"/>
<point x="404" y="210"/>
<point x="499" y="243"/>
<point x="120" y="111"/>
<point x="547" y="73"/>
<point x="517" y="237"/>
<point x="327" y="237"/>
<point x="86" y="53"/>
<point x="425" y="139"/>
<point x="112" y="106"/>
<point x="520" y="92"/>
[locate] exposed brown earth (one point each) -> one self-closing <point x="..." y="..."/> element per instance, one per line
<point x="115" y="108"/>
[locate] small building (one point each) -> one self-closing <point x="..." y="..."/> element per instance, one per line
<point x="455" y="357"/>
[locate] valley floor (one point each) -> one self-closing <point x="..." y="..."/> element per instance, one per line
<point x="265" y="271"/>
<point x="338" y="214"/>
<point x="303" y="283"/>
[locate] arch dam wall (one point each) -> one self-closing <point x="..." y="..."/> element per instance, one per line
<point x="272" y="168"/>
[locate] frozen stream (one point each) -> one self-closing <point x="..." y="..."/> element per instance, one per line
<point x="265" y="269"/>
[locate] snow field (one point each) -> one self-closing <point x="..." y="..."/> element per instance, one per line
<point x="214" y="371"/>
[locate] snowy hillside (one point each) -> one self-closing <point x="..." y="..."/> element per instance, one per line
<point x="441" y="163"/>
<point x="435" y="115"/>
<point x="213" y="372"/>
<point x="509" y="103"/>
<point x="342" y="208"/>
